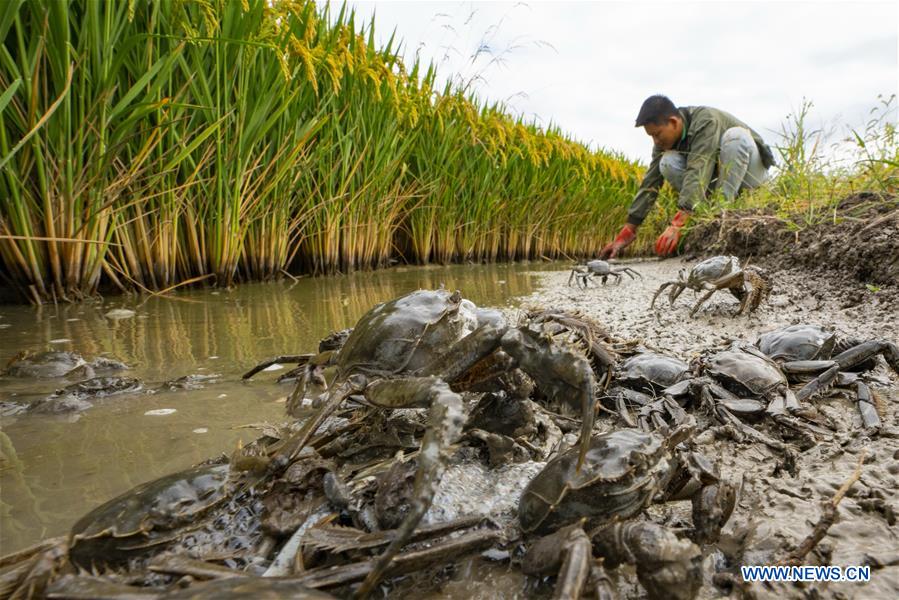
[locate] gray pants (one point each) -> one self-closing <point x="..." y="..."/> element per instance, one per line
<point x="739" y="164"/>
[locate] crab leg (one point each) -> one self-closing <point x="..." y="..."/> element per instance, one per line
<point x="661" y="289"/>
<point x="760" y="289"/>
<point x="847" y="360"/>
<point x="667" y="567"/>
<point x="574" y="273"/>
<point x="629" y="272"/>
<point x="571" y="546"/>
<point x="575" y="568"/>
<point x="712" y="505"/>
<point x="602" y="585"/>
<point x="806" y="367"/>
<point x="292" y="446"/>
<point x="722" y="282"/>
<point x="736" y="283"/>
<point x="726" y="416"/>
<point x="675" y="292"/>
<point x="560" y="372"/>
<point x="408" y="562"/>
<point x="866" y="406"/>
<point x="465" y="353"/>
<point x="623" y="412"/>
<point x="298" y="359"/>
<point x="866" y="350"/>
<point x="623" y="397"/>
<point x="446" y="420"/>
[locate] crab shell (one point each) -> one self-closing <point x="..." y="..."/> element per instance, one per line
<point x="797" y="342"/>
<point x="406" y="333"/>
<point x="711" y="269"/>
<point x="54" y="363"/>
<point x="599" y="267"/>
<point x="653" y="371"/>
<point x="743" y="372"/>
<point x="621" y="473"/>
<point x="107" y="534"/>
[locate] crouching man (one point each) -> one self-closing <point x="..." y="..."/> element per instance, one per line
<point x="697" y="149"/>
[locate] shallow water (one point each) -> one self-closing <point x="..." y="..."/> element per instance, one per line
<point x="53" y="469"/>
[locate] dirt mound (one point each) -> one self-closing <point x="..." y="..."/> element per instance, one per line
<point x="860" y="241"/>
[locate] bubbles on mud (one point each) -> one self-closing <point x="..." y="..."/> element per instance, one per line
<point x="470" y="488"/>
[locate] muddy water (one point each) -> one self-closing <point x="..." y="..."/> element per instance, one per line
<point x="53" y="469"/>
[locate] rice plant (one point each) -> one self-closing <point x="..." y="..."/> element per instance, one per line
<point x="151" y="144"/>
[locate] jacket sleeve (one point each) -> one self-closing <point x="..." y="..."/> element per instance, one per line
<point x="701" y="162"/>
<point x="648" y="192"/>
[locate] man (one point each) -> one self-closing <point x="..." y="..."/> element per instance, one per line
<point x="695" y="149"/>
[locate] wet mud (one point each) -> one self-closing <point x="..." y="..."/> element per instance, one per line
<point x="776" y="511"/>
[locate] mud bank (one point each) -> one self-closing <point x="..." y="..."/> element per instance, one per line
<point x="859" y="241"/>
<point x="775" y="510"/>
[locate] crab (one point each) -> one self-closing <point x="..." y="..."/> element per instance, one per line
<point x="173" y="510"/>
<point x="599" y="268"/>
<point x="741" y="383"/>
<point x="624" y="471"/>
<point x="749" y="285"/>
<point x="59" y="363"/>
<point x="805" y="351"/>
<point x="406" y="353"/>
<point x="146" y="516"/>
<point x="77" y="396"/>
<point x="641" y="378"/>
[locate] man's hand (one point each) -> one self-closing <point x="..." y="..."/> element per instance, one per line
<point x="667" y="242"/>
<point x="627" y="235"/>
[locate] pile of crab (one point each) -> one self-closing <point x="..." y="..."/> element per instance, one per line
<point x="340" y="500"/>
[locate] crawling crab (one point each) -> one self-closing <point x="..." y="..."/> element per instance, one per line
<point x="812" y="352"/>
<point x="599" y="268"/>
<point x="749" y="285"/>
<point x="407" y="353"/>
<point x="623" y="472"/>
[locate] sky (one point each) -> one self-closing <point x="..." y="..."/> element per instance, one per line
<point x="587" y="66"/>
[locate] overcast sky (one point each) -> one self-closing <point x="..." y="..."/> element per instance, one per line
<point x="587" y="66"/>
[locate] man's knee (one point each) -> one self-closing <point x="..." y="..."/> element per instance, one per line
<point x="672" y="166"/>
<point x="736" y="138"/>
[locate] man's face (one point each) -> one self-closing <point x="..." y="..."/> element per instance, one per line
<point x="666" y="135"/>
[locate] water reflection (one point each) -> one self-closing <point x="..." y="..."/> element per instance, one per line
<point x="53" y="469"/>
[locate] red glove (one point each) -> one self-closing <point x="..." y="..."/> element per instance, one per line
<point x="667" y="242"/>
<point x="627" y="235"/>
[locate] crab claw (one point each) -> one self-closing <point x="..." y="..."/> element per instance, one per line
<point x="560" y="373"/>
<point x="667" y="567"/>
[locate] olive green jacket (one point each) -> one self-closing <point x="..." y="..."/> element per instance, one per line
<point x="701" y="142"/>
